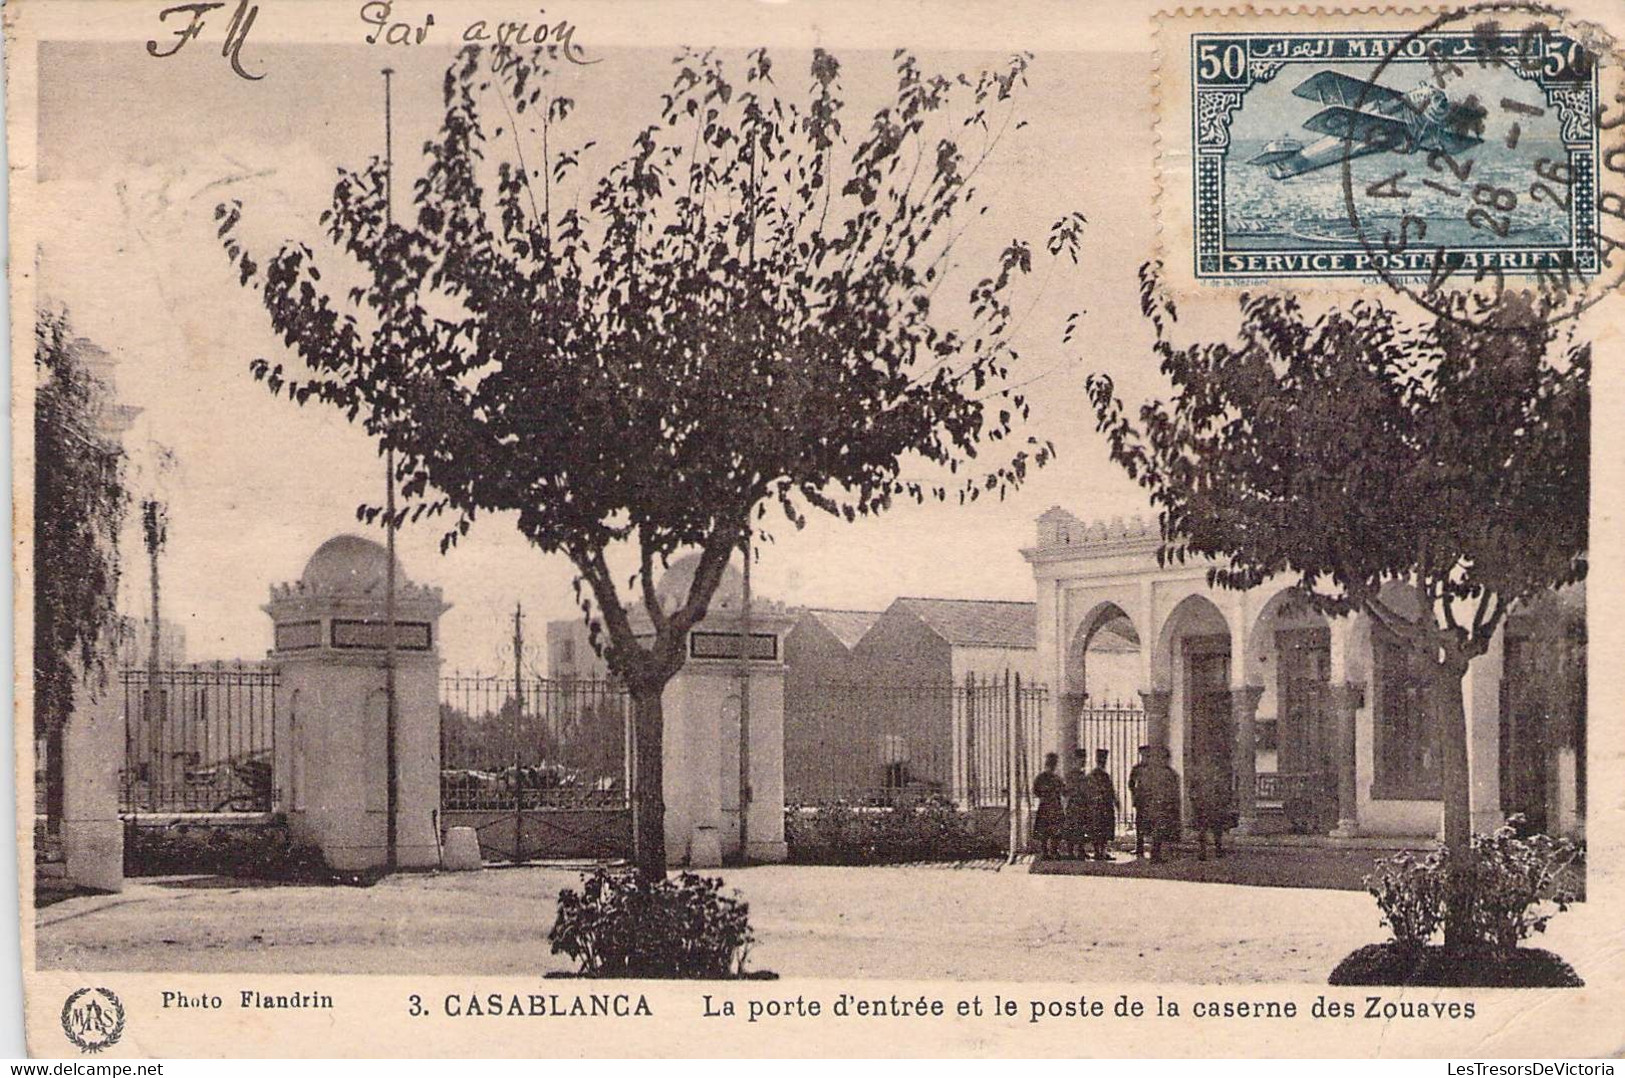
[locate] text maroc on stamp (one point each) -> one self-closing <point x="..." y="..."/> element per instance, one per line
<point x="1451" y="157"/>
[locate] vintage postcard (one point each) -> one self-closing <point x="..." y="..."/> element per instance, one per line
<point x="662" y="527"/>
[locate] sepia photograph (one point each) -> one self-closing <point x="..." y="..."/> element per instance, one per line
<point x="816" y="514"/>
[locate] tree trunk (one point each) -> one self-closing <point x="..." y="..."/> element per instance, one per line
<point x="1452" y="718"/>
<point x="1458" y="818"/>
<point x="649" y="804"/>
<point x="55" y="776"/>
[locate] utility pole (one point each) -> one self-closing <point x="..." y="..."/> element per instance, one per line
<point x="392" y="765"/>
<point x="744" y="709"/>
<point x="155" y="531"/>
<point x="518" y="715"/>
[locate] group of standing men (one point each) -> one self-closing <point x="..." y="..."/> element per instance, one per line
<point x="1077" y="814"/>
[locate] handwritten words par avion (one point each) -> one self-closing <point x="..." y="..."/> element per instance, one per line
<point x="389" y="29"/>
<point x="186" y="22"/>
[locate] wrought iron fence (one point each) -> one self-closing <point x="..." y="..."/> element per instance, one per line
<point x="199" y="738"/>
<point x="1120" y="729"/>
<point x="533" y="743"/>
<point x="971" y="744"/>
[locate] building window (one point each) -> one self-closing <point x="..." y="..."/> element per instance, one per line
<point x="567" y="652"/>
<point x="1405" y="722"/>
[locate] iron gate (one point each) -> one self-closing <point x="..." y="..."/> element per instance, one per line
<point x="199" y="739"/>
<point x="1120" y="729"/>
<point x="883" y="747"/>
<point x="541" y="769"/>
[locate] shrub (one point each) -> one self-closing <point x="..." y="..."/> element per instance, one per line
<point x="261" y="852"/>
<point x="841" y="832"/>
<point x="1512" y="887"/>
<point x="1410" y="893"/>
<point x="628" y="925"/>
<point x="1509" y="889"/>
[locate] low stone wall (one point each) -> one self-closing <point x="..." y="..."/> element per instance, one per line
<point x="254" y="847"/>
<point x="547" y="834"/>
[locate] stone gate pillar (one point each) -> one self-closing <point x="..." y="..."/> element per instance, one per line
<point x="1244" y="710"/>
<point x="92" y="834"/>
<point x="332" y="708"/>
<point x="702" y="745"/>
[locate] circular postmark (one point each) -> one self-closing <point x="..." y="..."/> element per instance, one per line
<point x="93" y="1018"/>
<point x="1494" y="176"/>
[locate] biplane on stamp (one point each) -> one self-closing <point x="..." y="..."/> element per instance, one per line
<point x="1462" y="149"/>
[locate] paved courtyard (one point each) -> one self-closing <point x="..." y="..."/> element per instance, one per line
<point x="974" y="922"/>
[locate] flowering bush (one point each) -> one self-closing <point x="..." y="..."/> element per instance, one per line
<point x="625" y="924"/>
<point x="1513" y="886"/>
<point x="1410" y="893"/>
<point x="1510" y="888"/>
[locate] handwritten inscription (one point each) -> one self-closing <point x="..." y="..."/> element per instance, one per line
<point x="242" y="21"/>
<point x="384" y="27"/>
<point x="555" y="35"/>
<point x="376" y="13"/>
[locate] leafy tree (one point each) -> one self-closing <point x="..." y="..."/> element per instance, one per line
<point x="745" y="311"/>
<point x="1353" y="453"/>
<point x="79" y="505"/>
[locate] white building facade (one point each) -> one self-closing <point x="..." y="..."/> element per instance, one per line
<point x="1325" y="724"/>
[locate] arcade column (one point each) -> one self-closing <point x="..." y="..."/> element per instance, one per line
<point x="1156" y="715"/>
<point x="1347" y="698"/>
<point x="1244" y="711"/>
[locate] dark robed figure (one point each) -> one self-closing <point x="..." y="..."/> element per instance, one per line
<point x="1136" y="793"/>
<point x="1159" y="787"/>
<point x="1077" y="804"/>
<point x="1050" y="823"/>
<point x="1100" y="806"/>
<point x="1212" y="803"/>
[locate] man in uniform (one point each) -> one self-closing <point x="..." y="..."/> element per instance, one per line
<point x="1049" y="829"/>
<point x="1160" y="786"/>
<point x="1100" y="806"/>
<point x="1136" y="776"/>
<point x="1077" y="804"/>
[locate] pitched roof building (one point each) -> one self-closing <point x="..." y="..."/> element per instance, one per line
<point x="877" y="701"/>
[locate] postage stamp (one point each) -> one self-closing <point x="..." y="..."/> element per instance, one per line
<point x="1448" y="150"/>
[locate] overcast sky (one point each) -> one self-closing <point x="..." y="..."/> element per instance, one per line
<point x="135" y="153"/>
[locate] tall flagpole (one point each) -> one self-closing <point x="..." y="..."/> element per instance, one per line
<point x="392" y="768"/>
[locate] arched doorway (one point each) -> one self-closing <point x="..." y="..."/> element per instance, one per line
<point x="1542" y="714"/>
<point x="1103" y="663"/>
<point x="1102" y="704"/>
<point x="1195" y="661"/>
<point x="1289" y="658"/>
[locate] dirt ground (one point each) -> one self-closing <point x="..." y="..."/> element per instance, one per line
<point x="981" y="922"/>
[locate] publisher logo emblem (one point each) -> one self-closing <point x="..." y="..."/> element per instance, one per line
<point x="93" y="1018"/>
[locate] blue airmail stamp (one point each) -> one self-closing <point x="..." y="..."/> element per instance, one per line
<point x="1458" y="149"/>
